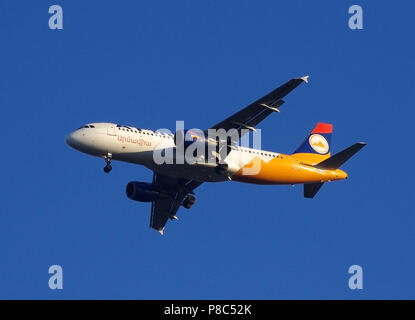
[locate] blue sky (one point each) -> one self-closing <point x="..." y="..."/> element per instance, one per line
<point x="148" y="64"/>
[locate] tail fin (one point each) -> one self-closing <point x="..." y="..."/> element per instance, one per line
<point x="338" y="159"/>
<point x="316" y="147"/>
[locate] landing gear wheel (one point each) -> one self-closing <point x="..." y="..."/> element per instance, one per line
<point x="189" y="201"/>
<point x="108" y="158"/>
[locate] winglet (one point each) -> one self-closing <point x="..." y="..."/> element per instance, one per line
<point x="305" y="78"/>
<point x="161" y="231"/>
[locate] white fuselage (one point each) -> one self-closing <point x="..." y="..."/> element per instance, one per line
<point x="147" y="148"/>
<point x="129" y="144"/>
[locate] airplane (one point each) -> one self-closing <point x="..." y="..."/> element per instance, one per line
<point x="173" y="185"/>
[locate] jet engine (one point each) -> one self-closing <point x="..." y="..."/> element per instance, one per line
<point x="143" y="192"/>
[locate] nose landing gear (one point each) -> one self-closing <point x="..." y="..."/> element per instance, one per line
<point x="108" y="159"/>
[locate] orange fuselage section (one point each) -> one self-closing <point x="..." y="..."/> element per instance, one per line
<point x="285" y="169"/>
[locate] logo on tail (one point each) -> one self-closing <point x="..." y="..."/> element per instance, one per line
<point x="319" y="143"/>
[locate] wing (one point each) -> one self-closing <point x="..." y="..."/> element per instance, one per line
<point x="164" y="209"/>
<point x="253" y="114"/>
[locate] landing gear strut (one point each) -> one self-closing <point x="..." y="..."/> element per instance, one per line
<point x="108" y="159"/>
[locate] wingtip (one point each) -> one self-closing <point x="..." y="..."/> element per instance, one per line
<point x="305" y="78"/>
<point x="161" y="231"/>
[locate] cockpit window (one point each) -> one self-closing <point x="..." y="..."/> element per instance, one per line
<point x="88" y="126"/>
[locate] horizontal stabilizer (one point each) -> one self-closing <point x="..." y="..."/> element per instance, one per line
<point x="338" y="159"/>
<point x="310" y="189"/>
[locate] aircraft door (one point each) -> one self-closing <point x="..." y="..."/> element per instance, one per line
<point x="111" y="130"/>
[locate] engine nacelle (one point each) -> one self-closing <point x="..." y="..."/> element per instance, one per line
<point x="143" y="192"/>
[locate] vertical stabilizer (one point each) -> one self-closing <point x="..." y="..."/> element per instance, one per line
<point x="316" y="147"/>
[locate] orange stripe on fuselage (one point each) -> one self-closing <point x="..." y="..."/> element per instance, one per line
<point x="284" y="169"/>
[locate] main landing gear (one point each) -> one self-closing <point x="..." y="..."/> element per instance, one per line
<point x="108" y="159"/>
<point x="189" y="201"/>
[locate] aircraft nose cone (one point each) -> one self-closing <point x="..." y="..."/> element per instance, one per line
<point x="71" y="139"/>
